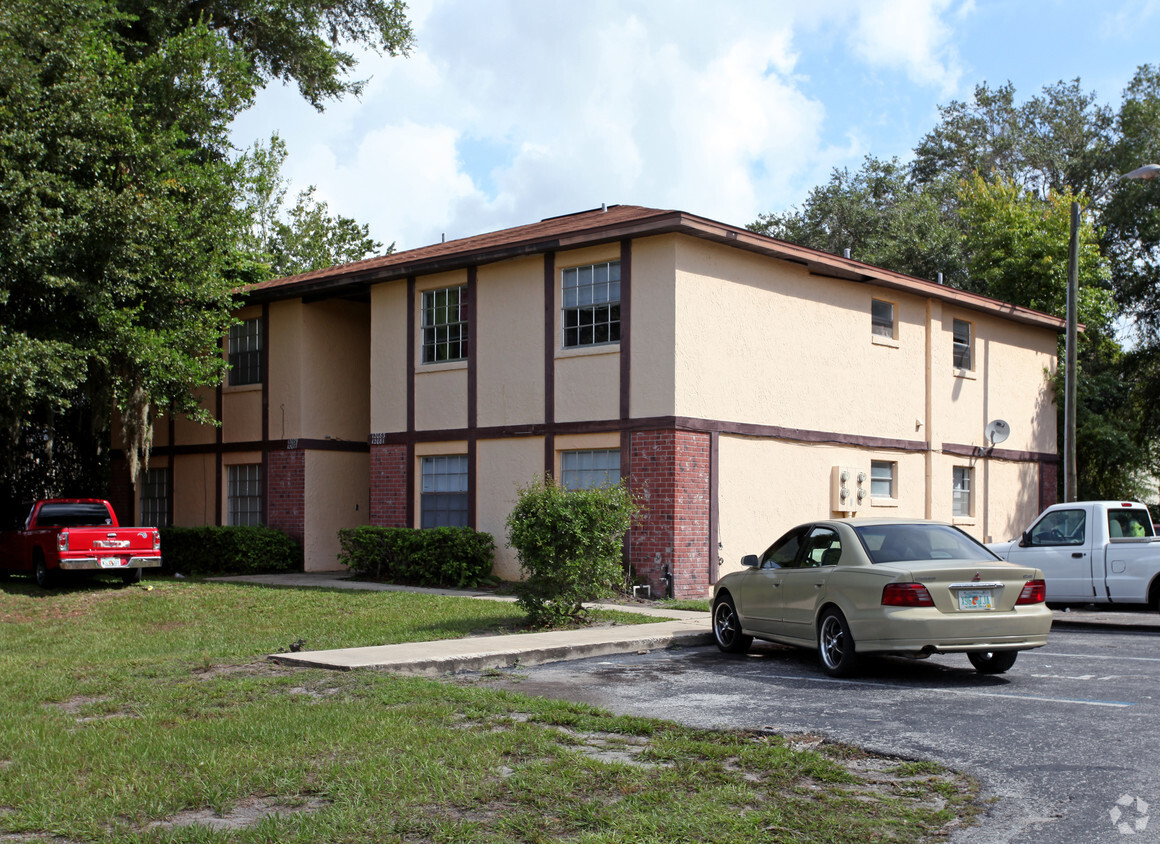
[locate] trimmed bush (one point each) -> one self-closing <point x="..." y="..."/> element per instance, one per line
<point x="459" y="558"/>
<point x="220" y="551"/>
<point x="570" y="545"/>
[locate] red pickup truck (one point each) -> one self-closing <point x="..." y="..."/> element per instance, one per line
<point x="77" y="534"/>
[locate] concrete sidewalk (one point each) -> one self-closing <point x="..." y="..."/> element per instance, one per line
<point x="480" y="653"/>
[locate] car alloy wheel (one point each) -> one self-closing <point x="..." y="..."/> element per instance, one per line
<point x="835" y="645"/>
<point x="727" y="627"/>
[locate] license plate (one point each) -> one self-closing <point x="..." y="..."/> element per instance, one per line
<point x="975" y="599"/>
<point x="111" y="562"/>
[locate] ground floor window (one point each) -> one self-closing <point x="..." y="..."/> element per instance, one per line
<point x="155" y="497"/>
<point x="244" y="494"/>
<point x="590" y="468"/>
<point x="881" y="479"/>
<point x="443" y="501"/>
<point x="962" y="491"/>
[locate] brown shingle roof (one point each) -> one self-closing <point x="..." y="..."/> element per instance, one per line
<point x="603" y="225"/>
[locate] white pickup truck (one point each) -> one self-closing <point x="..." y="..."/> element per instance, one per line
<point x="1092" y="552"/>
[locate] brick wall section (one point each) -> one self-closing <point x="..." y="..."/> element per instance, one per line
<point x="670" y="470"/>
<point x="1048" y="484"/>
<point x="389" y="485"/>
<point x="287" y="490"/>
<point x="121" y="491"/>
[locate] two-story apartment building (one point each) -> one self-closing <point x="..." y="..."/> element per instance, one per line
<point x="740" y="384"/>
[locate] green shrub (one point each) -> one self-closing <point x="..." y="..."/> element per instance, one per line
<point x="217" y="551"/>
<point x="570" y="546"/>
<point x="451" y="557"/>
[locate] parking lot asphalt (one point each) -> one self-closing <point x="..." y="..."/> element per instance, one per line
<point x="481" y="653"/>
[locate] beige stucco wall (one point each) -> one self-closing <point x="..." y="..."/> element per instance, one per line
<point x="503" y="467"/>
<point x="388" y="353"/>
<point x="194" y="498"/>
<point x="335" y="352"/>
<point x="654" y="327"/>
<point x="509" y="320"/>
<point x="337" y="496"/>
<point x="769" y="486"/>
<point x="440" y="388"/>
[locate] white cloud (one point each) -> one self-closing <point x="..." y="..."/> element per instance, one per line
<point x="911" y="36"/>
<point x="514" y="110"/>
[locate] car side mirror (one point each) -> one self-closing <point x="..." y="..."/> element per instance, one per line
<point x="750" y="561"/>
<point x="1025" y="540"/>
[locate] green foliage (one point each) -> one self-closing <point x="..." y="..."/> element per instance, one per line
<point x="459" y="558"/>
<point x="300" y="239"/>
<point x="118" y="225"/>
<point x="570" y="547"/>
<point x="220" y="551"/>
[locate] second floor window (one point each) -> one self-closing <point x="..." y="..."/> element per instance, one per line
<point x="246" y="352"/>
<point x="882" y="318"/>
<point x="881" y="479"/>
<point x="961" y="493"/>
<point x="591" y="305"/>
<point x="962" y="348"/>
<point x="445" y="324"/>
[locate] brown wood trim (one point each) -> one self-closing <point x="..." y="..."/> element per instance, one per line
<point x="218" y="471"/>
<point x="625" y="328"/>
<point x="960" y="450"/>
<point x="714" y="508"/>
<point x="412" y="339"/>
<point x="549" y="455"/>
<point x="265" y="376"/>
<point x="472" y="357"/>
<point x="411" y="484"/>
<point x="550" y="337"/>
<point x="169" y="486"/>
<point x="472" y="474"/>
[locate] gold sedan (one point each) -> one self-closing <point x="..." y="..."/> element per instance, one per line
<point x="887" y="586"/>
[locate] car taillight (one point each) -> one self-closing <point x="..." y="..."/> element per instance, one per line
<point x="906" y="595"/>
<point x="156" y="540"/>
<point x="62" y="541"/>
<point x="1034" y="592"/>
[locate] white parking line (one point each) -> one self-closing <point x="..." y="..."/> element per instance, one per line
<point x="1101" y="656"/>
<point x="1114" y="704"/>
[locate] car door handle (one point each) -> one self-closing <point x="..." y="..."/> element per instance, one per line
<point x="1077" y="554"/>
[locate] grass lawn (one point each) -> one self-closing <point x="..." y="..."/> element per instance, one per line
<point x="151" y="714"/>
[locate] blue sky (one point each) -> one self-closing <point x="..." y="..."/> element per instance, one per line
<point x="509" y="111"/>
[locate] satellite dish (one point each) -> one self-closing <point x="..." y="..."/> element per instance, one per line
<point x="996" y="432"/>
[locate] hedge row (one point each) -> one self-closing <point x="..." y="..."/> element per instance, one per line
<point x="448" y="557"/>
<point x="219" y="551"/>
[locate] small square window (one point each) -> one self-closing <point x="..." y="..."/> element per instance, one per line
<point x="882" y="318"/>
<point x="961" y="505"/>
<point x="882" y="479"/>
<point x="590" y="469"/>
<point x="962" y="344"/>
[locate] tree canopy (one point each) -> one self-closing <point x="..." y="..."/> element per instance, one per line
<point x="121" y="236"/>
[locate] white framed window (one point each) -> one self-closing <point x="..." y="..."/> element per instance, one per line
<point x="882" y="318"/>
<point x="591" y="297"/>
<point x="961" y="492"/>
<point x="443" y="496"/>
<point x="155" y="497"/>
<point x="882" y="484"/>
<point x="444" y="324"/>
<point x="590" y="468"/>
<point x="244" y="494"/>
<point x="246" y="352"/>
<point x="962" y="344"/>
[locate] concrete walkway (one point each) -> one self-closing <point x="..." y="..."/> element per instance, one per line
<point x="480" y="653"/>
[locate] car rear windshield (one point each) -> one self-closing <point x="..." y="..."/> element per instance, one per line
<point x="73" y="515"/>
<point x="905" y="543"/>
